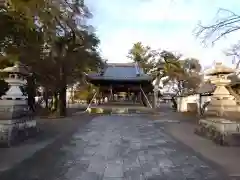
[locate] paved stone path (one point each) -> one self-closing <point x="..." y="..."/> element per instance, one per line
<point x="131" y="148"/>
<point x="121" y="148"/>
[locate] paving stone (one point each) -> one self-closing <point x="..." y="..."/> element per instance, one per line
<point x="125" y="148"/>
<point x="112" y="178"/>
<point x="132" y="162"/>
<point x="97" y="165"/>
<point x="114" y="170"/>
<point x="89" y="151"/>
<point x="151" y="169"/>
<point x="156" y="177"/>
<point x="89" y="176"/>
<point x="133" y="174"/>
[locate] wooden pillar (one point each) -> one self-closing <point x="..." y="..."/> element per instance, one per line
<point x="111" y="94"/>
<point x="100" y="97"/>
<point x="140" y="96"/>
<point x="200" y="104"/>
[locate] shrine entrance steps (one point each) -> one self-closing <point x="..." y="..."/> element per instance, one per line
<point x="119" y="108"/>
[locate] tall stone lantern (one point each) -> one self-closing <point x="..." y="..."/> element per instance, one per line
<point x="221" y="99"/>
<point x="14" y="107"/>
<point x="217" y="123"/>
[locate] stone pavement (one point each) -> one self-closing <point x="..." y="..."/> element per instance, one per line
<point x="51" y="130"/>
<point x="116" y="148"/>
<point x="226" y="157"/>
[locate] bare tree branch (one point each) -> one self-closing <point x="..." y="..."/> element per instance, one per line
<point x="234" y="52"/>
<point x="220" y="28"/>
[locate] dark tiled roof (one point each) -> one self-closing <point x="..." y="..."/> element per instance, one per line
<point x="121" y="71"/>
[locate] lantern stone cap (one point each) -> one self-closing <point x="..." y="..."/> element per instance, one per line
<point x="219" y="68"/>
<point x="18" y="68"/>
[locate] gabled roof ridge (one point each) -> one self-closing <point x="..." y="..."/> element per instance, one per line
<point x="121" y="64"/>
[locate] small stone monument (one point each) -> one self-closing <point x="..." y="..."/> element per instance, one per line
<point x="13" y="106"/>
<point x="216" y="123"/>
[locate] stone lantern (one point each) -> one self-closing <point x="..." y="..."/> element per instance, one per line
<point x="217" y="123"/>
<point x="13" y="106"/>
<point x="16" y="78"/>
<point x="221" y="99"/>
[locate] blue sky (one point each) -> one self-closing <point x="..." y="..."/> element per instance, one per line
<point x="161" y="24"/>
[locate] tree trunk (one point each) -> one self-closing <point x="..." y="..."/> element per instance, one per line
<point x="45" y="97"/>
<point x="31" y="91"/>
<point x="62" y="102"/>
<point x="62" y="94"/>
<point x="55" y="101"/>
<point x="174" y="103"/>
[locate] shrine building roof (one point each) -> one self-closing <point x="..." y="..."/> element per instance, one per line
<point x="121" y="72"/>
